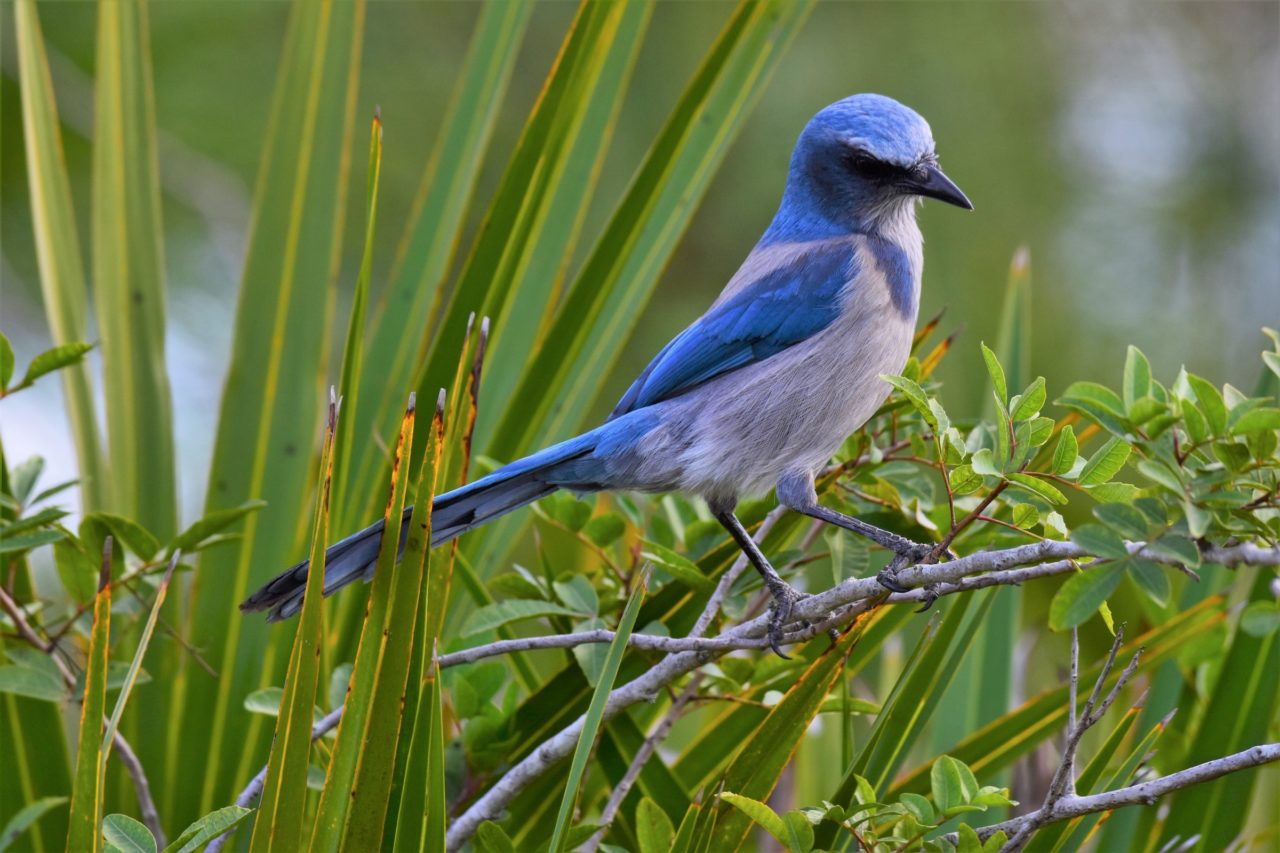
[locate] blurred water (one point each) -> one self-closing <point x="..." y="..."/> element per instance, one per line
<point x="1134" y="147"/>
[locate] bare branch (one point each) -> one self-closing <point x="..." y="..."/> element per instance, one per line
<point x="1144" y="793"/>
<point x="1062" y="786"/>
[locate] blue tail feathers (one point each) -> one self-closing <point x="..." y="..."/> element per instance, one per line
<point x="568" y="464"/>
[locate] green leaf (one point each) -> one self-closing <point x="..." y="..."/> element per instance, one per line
<point x="1082" y="594"/>
<point x="1025" y="516"/>
<point x="677" y="565"/>
<point x="965" y="479"/>
<point x="13" y="544"/>
<point x="1176" y="547"/>
<point x="799" y="831"/>
<point x="1066" y="451"/>
<point x="604" y="530"/>
<point x="1114" y="492"/>
<point x="199" y="532"/>
<point x="1105" y="463"/>
<point x="952" y="782"/>
<point x="6" y="361"/>
<point x="54" y="359"/>
<point x="969" y="842"/>
<point x="595" y="715"/>
<point x="1194" y="420"/>
<point x="1098" y="403"/>
<point x="126" y="835"/>
<point x="1257" y="420"/>
<point x="1099" y="541"/>
<point x="915" y="396"/>
<point x="491" y="838"/>
<point x="654" y="832"/>
<point x="500" y="613"/>
<point x="1260" y="619"/>
<point x="578" y="594"/>
<point x="1125" y="520"/>
<point x="57" y="244"/>
<point x="984" y="464"/>
<point x="32" y="683"/>
<point x="1039" y="487"/>
<point x="1210" y="402"/>
<point x="997" y="374"/>
<point x="762" y="815"/>
<point x="207" y="828"/>
<point x="1151" y="579"/>
<point x="1029" y="403"/>
<point x="1137" y="378"/>
<point x="25" y="817"/>
<point x="127" y="533"/>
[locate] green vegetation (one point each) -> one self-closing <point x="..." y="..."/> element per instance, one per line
<point x="589" y="674"/>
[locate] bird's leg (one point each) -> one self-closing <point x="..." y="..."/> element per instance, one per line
<point x="797" y="492"/>
<point x="784" y="596"/>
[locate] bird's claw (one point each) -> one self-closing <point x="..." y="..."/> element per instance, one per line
<point x="784" y="601"/>
<point x="908" y="554"/>
<point x="929" y="594"/>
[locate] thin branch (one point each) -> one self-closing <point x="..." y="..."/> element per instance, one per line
<point x="642" y="756"/>
<point x="948" y="577"/>
<point x="1144" y="793"/>
<point x="1062" y="786"/>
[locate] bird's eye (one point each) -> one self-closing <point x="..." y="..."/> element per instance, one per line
<point x="868" y="167"/>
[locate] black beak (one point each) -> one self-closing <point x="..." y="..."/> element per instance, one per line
<point x="939" y="186"/>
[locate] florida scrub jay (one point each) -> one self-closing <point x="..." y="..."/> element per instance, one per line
<point x="763" y="388"/>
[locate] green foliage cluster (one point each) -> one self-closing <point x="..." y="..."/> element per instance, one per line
<point x="1145" y="481"/>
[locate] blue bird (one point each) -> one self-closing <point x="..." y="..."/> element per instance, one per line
<point x="761" y="390"/>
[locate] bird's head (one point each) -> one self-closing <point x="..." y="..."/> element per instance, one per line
<point x="864" y="158"/>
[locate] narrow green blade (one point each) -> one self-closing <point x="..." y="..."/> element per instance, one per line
<point x="264" y="442"/>
<point x="128" y="272"/>
<point x="1241" y="708"/>
<point x="363" y="735"/>
<point x="594" y="715"/>
<point x="88" y="785"/>
<point x="62" y="280"/>
<point x="420" y="814"/>
<point x="407" y="312"/>
<point x="278" y="825"/>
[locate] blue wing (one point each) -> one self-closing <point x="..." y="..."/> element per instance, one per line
<point x="781" y="308"/>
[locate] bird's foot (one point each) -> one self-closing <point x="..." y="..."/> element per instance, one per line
<point x="905" y="554"/>
<point x="784" y="601"/>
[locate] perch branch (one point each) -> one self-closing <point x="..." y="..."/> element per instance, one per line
<point x="1144" y="793"/>
<point x="831" y="608"/>
<point x="946" y="578"/>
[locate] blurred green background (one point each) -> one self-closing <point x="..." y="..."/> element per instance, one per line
<point x="1135" y="148"/>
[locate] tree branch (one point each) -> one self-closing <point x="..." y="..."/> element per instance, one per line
<point x="825" y="609"/>
<point x="1144" y="793"/>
